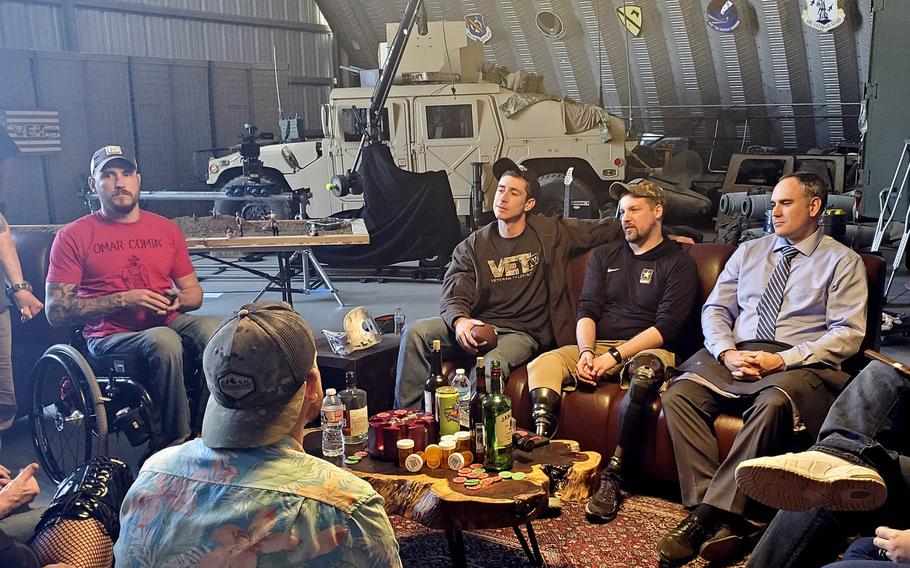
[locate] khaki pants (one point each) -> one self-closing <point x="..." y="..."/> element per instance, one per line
<point x="556" y="369"/>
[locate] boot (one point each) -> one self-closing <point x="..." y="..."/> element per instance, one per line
<point x="545" y="410"/>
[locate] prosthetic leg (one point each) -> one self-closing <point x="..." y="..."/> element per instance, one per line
<point x="647" y="374"/>
<point x="545" y="410"/>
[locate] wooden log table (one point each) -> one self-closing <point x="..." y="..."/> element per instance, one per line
<point x="431" y="498"/>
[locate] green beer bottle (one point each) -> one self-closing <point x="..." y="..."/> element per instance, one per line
<point x="497" y="424"/>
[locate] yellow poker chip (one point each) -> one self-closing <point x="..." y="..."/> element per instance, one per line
<point x="505" y="474"/>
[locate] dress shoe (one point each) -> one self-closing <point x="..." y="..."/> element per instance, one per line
<point x="682" y="543"/>
<point x="803" y="481"/>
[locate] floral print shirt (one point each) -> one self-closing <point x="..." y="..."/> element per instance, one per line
<point x="251" y="508"/>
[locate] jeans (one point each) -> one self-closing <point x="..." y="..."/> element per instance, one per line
<point x="867" y="425"/>
<point x="863" y="554"/>
<point x="513" y="348"/>
<point x="163" y="347"/>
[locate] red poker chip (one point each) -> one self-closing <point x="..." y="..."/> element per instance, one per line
<point x="465" y="471"/>
<point x="486" y="482"/>
<point x="483" y="475"/>
<point x="472" y="487"/>
<point x="476" y="466"/>
<point x="459" y="479"/>
<point x="472" y="476"/>
<point x="495" y="479"/>
<point x="361" y="454"/>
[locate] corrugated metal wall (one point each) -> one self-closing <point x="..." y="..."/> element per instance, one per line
<point x="161" y="77"/>
<point x="774" y="79"/>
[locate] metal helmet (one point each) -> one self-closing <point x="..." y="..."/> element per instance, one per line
<point x="361" y="329"/>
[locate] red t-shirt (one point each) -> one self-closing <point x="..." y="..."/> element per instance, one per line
<point x="103" y="257"/>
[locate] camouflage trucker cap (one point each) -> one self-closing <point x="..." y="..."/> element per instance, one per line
<point x="639" y="188"/>
<point x="256" y="366"/>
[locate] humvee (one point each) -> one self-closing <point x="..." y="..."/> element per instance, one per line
<point x="440" y="115"/>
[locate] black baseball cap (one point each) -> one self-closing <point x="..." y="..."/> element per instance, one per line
<point x="107" y="154"/>
<point x="503" y="165"/>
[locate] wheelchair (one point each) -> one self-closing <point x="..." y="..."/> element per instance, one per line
<point x="78" y="400"/>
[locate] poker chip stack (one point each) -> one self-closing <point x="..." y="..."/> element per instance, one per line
<point x="386" y="428"/>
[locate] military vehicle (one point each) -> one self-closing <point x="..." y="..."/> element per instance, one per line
<point x="442" y="115"/>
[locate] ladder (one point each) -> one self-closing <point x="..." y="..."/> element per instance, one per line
<point x="888" y="201"/>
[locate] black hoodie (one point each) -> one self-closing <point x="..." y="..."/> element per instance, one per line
<point x="626" y="294"/>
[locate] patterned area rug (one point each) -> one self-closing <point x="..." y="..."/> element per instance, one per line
<point x="630" y="541"/>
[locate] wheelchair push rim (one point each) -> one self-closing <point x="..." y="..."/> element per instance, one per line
<point x="68" y="418"/>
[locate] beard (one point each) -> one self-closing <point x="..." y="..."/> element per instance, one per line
<point x="121" y="207"/>
<point x="636" y="235"/>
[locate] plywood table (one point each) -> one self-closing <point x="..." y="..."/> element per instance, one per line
<point x="288" y="248"/>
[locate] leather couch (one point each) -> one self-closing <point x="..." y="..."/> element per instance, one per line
<point x="592" y="416"/>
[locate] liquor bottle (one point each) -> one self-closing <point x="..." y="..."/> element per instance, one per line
<point x="356" y="423"/>
<point x="461" y="382"/>
<point x="435" y="380"/>
<point x="476" y="410"/>
<point x="497" y="424"/>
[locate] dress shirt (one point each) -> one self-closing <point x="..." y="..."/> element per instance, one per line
<point x="823" y="313"/>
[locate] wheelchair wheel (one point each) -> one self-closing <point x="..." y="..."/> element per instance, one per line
<point x="68" y="418"/>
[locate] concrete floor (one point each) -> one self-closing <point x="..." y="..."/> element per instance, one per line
<point x="227" y="290"/>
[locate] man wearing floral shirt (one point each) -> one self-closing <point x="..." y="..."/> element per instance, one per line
<point x="246" y="494"/>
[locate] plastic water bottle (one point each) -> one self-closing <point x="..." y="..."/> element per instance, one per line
<point x="398" y="319"/>
<point x="332" y="423"/>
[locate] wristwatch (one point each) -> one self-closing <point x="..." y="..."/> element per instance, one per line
<point x="616" y="354"/>
<point x="11" y="289"/>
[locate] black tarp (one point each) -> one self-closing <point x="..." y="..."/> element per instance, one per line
<point x="410" y="216"/>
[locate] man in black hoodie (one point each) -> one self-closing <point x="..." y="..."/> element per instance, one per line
<point x="637" y="296"/>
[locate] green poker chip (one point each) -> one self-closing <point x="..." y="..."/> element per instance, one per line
<point x="471" y="482"/>
<point x="518" y="476"/>
<point x="351" y="460"/>
<point x="479" y="470"/>
<point x="506" y="474"/>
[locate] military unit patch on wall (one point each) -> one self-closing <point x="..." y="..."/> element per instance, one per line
<point x="477" y="29"/>
<point x="823" y="15"/>
<point x="630" y="17"/>
<point x="722" y="15"/>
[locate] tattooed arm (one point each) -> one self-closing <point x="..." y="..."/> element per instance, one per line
<point x="64" y="307"/>
<point x="28" y="304"/>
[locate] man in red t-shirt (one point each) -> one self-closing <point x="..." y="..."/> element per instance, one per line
<point x="125" y="276"/>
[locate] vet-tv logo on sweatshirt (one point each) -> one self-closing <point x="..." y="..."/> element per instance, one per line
<point x="514" y="267"/>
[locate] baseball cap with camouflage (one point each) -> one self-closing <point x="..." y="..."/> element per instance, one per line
<point x="639" y="188"/>
<point x="107" y="154"/>
<point x="256" y="366"/>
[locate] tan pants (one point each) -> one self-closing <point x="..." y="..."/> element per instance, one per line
<point x="556" y="369"/>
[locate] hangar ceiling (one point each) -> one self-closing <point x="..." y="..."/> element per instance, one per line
<point x="773" y="80"/>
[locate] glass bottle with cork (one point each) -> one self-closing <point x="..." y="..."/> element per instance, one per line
<point x="435" y="380"/>
<point x="497" y="424"/>
<point x="356" y="416"/>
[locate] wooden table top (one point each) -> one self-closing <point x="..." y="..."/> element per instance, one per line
<point x="265" y="243"/>
<point x="431" y="498"/>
